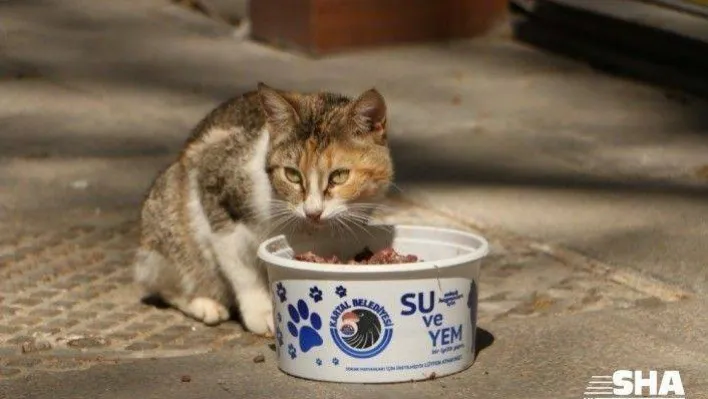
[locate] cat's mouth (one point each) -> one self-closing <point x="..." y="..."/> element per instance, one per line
<point x="316" y="224"/>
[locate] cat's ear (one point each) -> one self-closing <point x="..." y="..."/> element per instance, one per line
<point x="280" y="111"/>
<point x="369" y="113"/>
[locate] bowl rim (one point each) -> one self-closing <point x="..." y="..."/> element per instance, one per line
<point x="474" y="255"/>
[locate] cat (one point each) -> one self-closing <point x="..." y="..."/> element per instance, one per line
<point x="259" y="161"/>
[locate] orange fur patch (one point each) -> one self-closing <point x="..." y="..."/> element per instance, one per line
<point x="367" y="172"/>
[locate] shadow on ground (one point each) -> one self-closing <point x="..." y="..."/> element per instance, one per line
<point x="484" y="339"/>
<point x="421" y="162"/>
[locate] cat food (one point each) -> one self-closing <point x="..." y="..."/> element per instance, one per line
<point x="386" y="256"/>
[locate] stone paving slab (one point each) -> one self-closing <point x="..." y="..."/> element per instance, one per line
<point x="68" y="300"/>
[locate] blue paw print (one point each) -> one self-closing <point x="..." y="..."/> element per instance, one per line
<point x="318" y="361"/>
<point x="292" y="351"/>
<point x="340" y="291"/>
<point x="335" y="361"/>
<point x="307" y="334"/>
<point x="316" y="294"/>
<point x="280" y="291"/>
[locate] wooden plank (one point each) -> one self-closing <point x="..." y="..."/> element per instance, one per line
<point x="325" y="26"/>
<point x="285" y="23"/>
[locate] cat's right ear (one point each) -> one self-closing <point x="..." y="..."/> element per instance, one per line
<point x="280" y="113"/>
<point x="369" y="113"/>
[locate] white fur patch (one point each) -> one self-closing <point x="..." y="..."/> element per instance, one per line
<point x="257" y="311"/>
<point x="235" y="249"/>
<point x="262" y="191"/>
<point x="314" y="200"/>
<point x="236" y="252"/>
<point x="213" y="136"/>
<point x="198" y="222"/>
<point x="207" y="310"/>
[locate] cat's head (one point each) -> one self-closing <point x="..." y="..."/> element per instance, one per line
<point x="328" y="160"/>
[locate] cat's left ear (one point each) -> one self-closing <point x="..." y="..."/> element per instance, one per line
<point x="369" y="113"/>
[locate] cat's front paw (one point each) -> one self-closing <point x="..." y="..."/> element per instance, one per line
<point x="208" y="311"/>
<point x="257" y="315"/>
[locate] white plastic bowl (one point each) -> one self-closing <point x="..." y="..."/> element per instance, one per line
<point x="376" y="323"/>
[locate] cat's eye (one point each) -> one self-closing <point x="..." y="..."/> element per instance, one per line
<point x="339" y="176"/>
<point x="293" y="175"/>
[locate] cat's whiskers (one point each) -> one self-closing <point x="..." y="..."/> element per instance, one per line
<point x="337" y="210"/>
<point x="292" y="225"/>
<point x="275" y="208"/>
<point x="369" y="207"/>
<point x="363" y="228"/>
<point x="336" y="226"/>
<point x="397" y="187"/>
<point x="349" y="217"/>
<point x="280" y="222"/>
<point x="281" y="212"/>
<point x="342" y="221"/>
<point x="363" y="219"/>
<point x="277" y="214"/>
<point x="372" y="204"/>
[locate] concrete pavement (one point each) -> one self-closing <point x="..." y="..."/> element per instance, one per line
<point x="552" y="357"/>
<point x="589" y="184"/>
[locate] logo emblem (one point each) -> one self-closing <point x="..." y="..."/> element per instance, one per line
<point x="361" y="328"/>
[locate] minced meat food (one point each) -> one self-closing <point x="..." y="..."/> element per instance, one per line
<point x="366" y="257"/>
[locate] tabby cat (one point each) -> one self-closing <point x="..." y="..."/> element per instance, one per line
<point x="265" y="161"/>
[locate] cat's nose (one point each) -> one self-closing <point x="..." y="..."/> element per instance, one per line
<point x="314" y="215"/>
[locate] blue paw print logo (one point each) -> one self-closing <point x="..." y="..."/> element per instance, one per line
<point x="292" y="351"/>
<point x="316" y="294"/>
<point x="280" y="292"/>
<point x="335" y="361"/>
<point x="318" y="361"/>
<point x="340" y="291"/>
<point x="307" y="335"/>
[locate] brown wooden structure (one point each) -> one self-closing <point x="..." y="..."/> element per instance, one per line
<point x="326" y="26"/>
